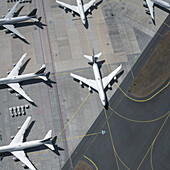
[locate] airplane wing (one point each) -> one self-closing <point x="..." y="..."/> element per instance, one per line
<point x="89" y="82"/>
<point x="106" y="80"/>
<point x="18" y="89"/>
<point x="150" y="6"/>
<point x="10" y="14"/>
<point x="15" y="70"/>
<point x="20" y="135"/>
<point x="71" y="7"/>
<point x="14" y="30"/>
<point x="22" y="157"/>
<point x="88" y="5"/>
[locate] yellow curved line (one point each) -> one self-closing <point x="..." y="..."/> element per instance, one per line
<point x="151" y="157"/>
<point x="91" y="161"/>
<point x="139" y="121"/>
<point x="145" y="100"/>
<point x="136" y="100"/>
<point x="154" y="141"/>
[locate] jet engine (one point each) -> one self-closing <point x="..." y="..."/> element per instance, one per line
<point x="80" y="83"/>
<point x="90" y="90"/>
<point x="11" y="90"/>
<point x="109" y="86"/>
<point x="8" y="72"/>
<point x="12" y="137"/>
<point x="14" y="64"/>
<point x="6" y="31"/>
<point x="18" y="95"/>
<point x="72" y="12"/>
<point x="145" y="4"/>
<point x="13" y="35"/>
<point x="3" y="16"/>
<point x="147" y="11"/>
<point x="15" y="159"/>
<point x="65" y="9"/>
<point x="9" y="9"/>
<point x="90" y="11"/>
<point x="24" y="166"/>
<point x="115" y="79"/>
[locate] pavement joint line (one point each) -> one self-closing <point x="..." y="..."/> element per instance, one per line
<point x="136" y="100"/>
<point x="111" y="140"/>
<point x="74" y="114"/>
<point x="153" y="141"/>
<point x="81" y="136"/>
<point x="139" y="121"/>
<point x="91" y="162"/>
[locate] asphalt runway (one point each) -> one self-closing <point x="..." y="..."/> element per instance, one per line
<point x="131" y="134"/>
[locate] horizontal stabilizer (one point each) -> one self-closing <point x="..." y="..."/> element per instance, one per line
<point x="49" y="145"/>
<point x="41" y="70"/>
<point x="48" y="136"/>
<point x="94" y="57"/>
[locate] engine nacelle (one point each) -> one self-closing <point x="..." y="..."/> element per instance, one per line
<point x="8" y="72"/>
<point x="3" y="16"/>
<point x="18" y="95"/>
<point x="147" y="11"/>
<point x="94" y="5"/>
<point x="80" y="83"/>
<point x="65" y="8"/>
<point x="115" y="78"/>
<point x="90" y="90"/>
<point x="9" y="9"/>
<point x="15" y="159"/>
<point x="72" y="12"/>
<point x="19" y="127"/>
<point x="6" y="31"/>
<point x="89" y="10"/>
<point x="24" y="166"/>
<point x="12" y="137"/>
<point x="109" y="86"/>
<point x="13" y="35"/>
<point x="11" y="90"/>
<point x="14" y="64"/>
<point x="145" y="4"/>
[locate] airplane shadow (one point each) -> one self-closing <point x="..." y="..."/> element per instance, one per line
<point x="162" y="8"/>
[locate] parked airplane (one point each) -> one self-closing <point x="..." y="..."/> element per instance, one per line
<point x="149" y="4"/>
<point x="13" y="78"/>
<point x="9" y="20"/>
<point x="17" y="146"/>
<point x="99" y="83"/>
<point x="80" y="9"/>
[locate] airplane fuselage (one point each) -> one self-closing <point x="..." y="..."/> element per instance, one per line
<point x="14" y="20"/>
<point x="81" y="11"/>
<point x="21" y="146"/>
<point x="161" y="3"/>
<point x="19" y="78"/>
<point x="99" y="84"/>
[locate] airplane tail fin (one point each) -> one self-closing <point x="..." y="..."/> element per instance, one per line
<point x="40" y="71"/>
<point x="93" y="58"/>
<point x="47" y="140"/>
<point x="33" y="15"/>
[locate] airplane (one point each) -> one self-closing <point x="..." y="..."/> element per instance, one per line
<point x="14" y="78"/>
<point x="149" y="4"/>
<point x="8" y="21"/>
<point x="17" y="146"/>
<point x="99" y="83"/>
<point x="80" y="9"/>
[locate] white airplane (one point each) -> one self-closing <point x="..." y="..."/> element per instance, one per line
<point x="17" y="146"/>
<point x="149" y="4"/>
<point x="9" y="20"/>
<point x="13" y="78"/>
<point x="80" y="9"/>
<point x="99" y="83"/>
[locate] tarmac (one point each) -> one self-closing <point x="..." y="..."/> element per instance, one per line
<point x="131" y="133"/>
<point x="120" y="30"/>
